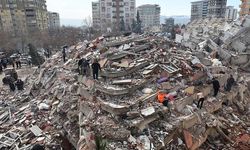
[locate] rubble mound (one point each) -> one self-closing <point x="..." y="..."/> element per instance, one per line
<point x="121" y="110"/>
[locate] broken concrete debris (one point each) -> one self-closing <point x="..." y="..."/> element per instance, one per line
<point x="59" y="108"/>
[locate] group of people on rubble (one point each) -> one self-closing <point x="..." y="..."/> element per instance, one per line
<point x="15" y="62"/>
<point x="18" y="84"/>
<point x="165" y="98"/>
<point x="84" y="65"/>
<point x="84" y="68"/>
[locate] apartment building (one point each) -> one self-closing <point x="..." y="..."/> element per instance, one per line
<point x="244" y="8"/>
<point x="199" y="9"/>
<point x="149" y="15"/>
<point x="217" y="8"/>
<point x="20" y="16"/>
<point x="53" y="20"/>
<point x="208" y="8"/>
<point x="12" y="16"/>
<point x="231" y="13"/>
<point x="36" y="15"/>
<point x="110" y="13"/>
<point x="96" y="14"/>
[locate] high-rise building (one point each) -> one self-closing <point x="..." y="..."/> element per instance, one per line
<point x="112" y="12"/>
<point x="245" y="8"/>
<point x="96" y="14"/>
<point x="53" y="20"/>
<point x="208" y="8"/>
<point x="217" y="8"/>
<point x="36" y="15"/>
<point x="12" y="16"/>
<point x="199" y="9"/>
<point x="231" y="13"/>
<point x="149" y="15"/>
<point x="20" y="16"/>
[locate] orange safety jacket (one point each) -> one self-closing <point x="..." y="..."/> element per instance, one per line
<point x="161" y="97"/>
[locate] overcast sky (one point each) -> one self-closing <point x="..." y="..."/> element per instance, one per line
<point x="79" y="9"/>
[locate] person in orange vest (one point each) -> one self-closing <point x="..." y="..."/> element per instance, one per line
<point x="161" y="96"/>
<point x="164" y="98"/>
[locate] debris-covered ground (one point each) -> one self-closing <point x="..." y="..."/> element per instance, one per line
<point x="121" y="110"/>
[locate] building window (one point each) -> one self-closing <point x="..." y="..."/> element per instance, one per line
<point x="103" y="9"/>
<point x="108" y="15"/>
<point x="109" y="4"/>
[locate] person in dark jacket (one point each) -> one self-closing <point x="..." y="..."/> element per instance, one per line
<point x="216" y="86"/>
<point x="19" y="84"/>
<point x="12" y="86"/>
<point x="4" y="63"/>
<point x="1" y="68"/>
<point x="230" y="83"/>
<point x="85" y="67"/>
<point x="13" y="62"/>
<point x="80" y="62"/>
<point x="200" y="100"/>
<point x="96" y="68"/>
<point x="64" y="53"/>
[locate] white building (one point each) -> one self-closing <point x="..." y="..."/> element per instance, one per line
<point x="96" y="14"/>
<point x="199" y="9"/>
<point x="231" y="13"/>
<point x="53" y="20"/>
<point x="149" y="15"/>
<point x="111" y="12"/>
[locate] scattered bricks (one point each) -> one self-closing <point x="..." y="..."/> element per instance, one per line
<point x="190" y="121"/>
<point x="124" y="73"/>
<point x="181" y="104"/>
<point x="113" y="108"/>
<point x="85" y="93"/>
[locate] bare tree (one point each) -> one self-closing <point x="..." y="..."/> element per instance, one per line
<point x="88" y="23"/>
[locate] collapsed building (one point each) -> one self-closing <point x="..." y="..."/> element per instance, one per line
<point x="121" y="111"/>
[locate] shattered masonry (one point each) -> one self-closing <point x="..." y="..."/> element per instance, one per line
<point x="122" y="107"/>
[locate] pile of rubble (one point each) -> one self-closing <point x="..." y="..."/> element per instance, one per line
<point x="120" y="110"/>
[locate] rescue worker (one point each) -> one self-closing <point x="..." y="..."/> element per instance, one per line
<point x="64" y="53"/>
<point x="216" y="86"/>
<point x="96" y="68"/>
<point x="17" y="63"/>
<point x="19" y="60"/>
<point x="12" y="86"/>
<point x="19" y="84"/>
<point x="230" y="83"/>
<point x="13" y="61"/>
<point x="14" y="75"/>
<point x="200" y="100"/>
<point x="80" y="62"/>
<point x="165" y="98"/>
<point x="4" y="63"/>
<point x="1" y="68"/>
<point x="161" y="97"/>
<point x="85" y="67"/>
